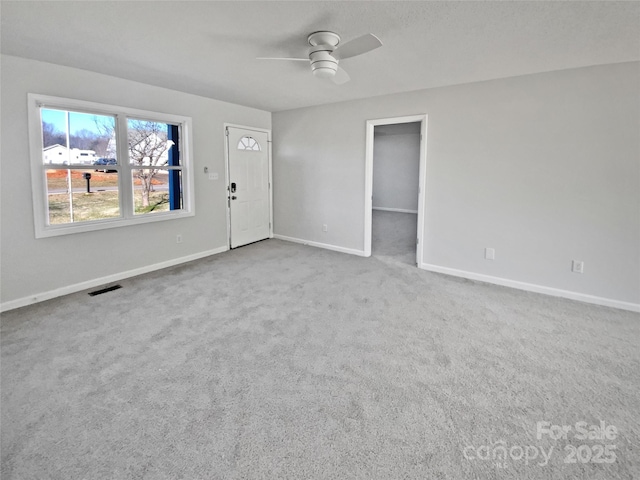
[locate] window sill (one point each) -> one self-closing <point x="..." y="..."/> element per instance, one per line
<point x="68" y="229"/>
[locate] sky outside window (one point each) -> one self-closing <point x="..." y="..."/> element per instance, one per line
<point x="77" y="121"/>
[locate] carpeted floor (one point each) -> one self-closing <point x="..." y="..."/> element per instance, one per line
<point x="281" y="361"/>
<point x="393" y="236"/>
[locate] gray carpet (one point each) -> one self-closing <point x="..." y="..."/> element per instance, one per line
<point x="393" y="236"/>
<point x="280" y="361"/>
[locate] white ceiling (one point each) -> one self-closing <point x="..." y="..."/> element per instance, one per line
<point x="209" y="48"/>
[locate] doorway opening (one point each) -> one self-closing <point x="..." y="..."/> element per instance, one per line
<point x="396" y="167"/>
<point x="394" y="188"/>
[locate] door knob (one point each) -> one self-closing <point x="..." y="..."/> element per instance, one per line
<point x="233" y="197"/>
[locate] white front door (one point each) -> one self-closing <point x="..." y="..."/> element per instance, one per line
<point x="248" y="189"/>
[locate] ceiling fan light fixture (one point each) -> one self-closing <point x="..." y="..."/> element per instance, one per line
<point x="323" y="65"/>
<point x="323" y="72"/>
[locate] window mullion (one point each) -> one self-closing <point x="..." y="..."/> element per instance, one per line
<point x="124" y="180"/>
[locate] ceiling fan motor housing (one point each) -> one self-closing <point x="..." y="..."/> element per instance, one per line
<point x="323" y="64"/>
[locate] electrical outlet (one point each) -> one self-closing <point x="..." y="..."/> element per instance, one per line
<point x="179" y="238"/>
<point x="325" y="228"/>
<point x="577" y="267"/>
<point x="490" y="253"/>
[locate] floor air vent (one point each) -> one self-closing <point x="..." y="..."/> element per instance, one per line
<point x="104" y="290"/>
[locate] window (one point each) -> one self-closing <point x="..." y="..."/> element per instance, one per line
<point x="249" y="143"/>
<point x="98" y="166"/>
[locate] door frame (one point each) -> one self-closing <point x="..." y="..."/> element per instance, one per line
<point x="368" y="182"/>
<point x="227" y="180"/>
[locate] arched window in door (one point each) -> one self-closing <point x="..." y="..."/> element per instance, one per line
<point x="249" y="143"/>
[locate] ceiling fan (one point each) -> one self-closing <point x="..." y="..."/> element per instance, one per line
<point x="325" y="53"/>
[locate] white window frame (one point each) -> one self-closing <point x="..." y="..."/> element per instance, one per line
<point x="125" y="181"/>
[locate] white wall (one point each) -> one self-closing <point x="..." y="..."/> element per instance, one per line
<point x="31" y="268"/>
<point x="544" y="168"/>
<point x="396" y="165"/>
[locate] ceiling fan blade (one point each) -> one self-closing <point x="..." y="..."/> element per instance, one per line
<point x="340" y="77"/>
<point x="284" y="58"/>
<point x="357" y="46"/>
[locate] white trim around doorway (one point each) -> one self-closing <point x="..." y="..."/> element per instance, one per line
<point x="368" y="178"/>
<point x="226" y="175"/>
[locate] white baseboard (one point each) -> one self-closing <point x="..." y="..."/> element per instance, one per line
<point x="96" y="282"/>
<point x="401" y="210"/>
<point x="350" y="251"/>
<point x="530" y="287"/>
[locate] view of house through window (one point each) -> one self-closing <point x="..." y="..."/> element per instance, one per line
<point x="85" y="179"/>
<point x="74" y="145"/>
<point x="155" y="162"/>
